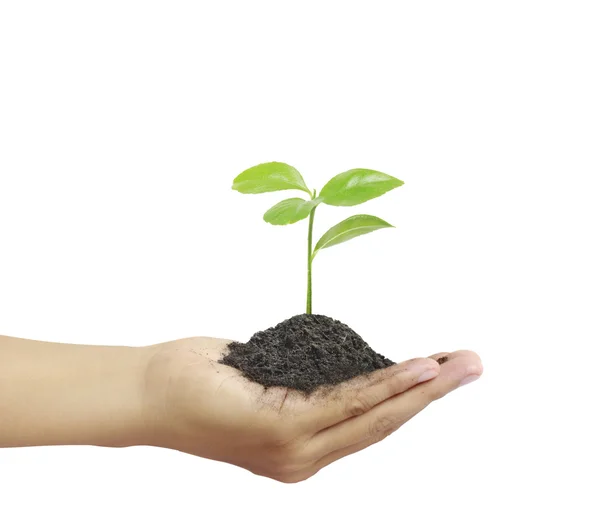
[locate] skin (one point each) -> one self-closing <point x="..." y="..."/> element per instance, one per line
<point x="176" y="395"/>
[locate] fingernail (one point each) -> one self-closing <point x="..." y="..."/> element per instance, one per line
<point x="468" y="380"/>
<point x="428" y="375"/>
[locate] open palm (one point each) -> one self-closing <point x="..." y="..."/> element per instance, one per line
<point x="199" y="406"/>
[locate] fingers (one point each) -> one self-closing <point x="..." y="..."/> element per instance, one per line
<point x="315" y="467"/>
<point x="350" y="449"/>
<point x="440" y="357"/>
<point x="387" y="416"/>
<point x="363" y="393"/>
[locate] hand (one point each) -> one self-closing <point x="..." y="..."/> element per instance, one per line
<point x="196" y="405"/>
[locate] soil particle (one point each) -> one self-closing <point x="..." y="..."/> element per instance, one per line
<point x="304" y="352"/>
<point x="441" y="360"/>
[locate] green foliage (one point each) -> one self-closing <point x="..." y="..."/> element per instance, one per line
<point x="357" y="186"/>
<point x="346" y="189"/>
<point x="350" y="228"/>
<point x="289" y="211"/>
<point x="269" y="177"/>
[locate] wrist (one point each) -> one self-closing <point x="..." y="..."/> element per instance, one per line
<point x="119" y="404"/>
<point x="158" y="364"/>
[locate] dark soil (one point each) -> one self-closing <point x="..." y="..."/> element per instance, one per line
<point x="441" y="360"/>
<point x="304" y="352"/>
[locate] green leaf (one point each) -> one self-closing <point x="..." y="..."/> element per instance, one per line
<point x="357" y="186"/>
<point x="352" y="227"/>
<point x="269" y="177"/>
<point x="289" y="211"/>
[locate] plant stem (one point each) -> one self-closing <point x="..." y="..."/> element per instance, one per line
<point x="309" y="283"/>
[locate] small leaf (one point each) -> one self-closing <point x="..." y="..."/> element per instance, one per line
<point x="357" y="186"/>
<point x="352" y="227"/>
<point x="269" y="177"/>
<point x="289" y="211"/>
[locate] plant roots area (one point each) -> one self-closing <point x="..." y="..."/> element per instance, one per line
<point x="305" y="352"/>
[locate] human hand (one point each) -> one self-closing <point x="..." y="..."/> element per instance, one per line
<point x="196" y="405"/>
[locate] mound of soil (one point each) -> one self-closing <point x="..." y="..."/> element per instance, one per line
<point x="304" y="352"/>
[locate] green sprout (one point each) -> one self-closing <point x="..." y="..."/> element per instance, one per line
<point x="346" y="189"/>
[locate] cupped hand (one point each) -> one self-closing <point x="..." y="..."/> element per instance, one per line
<point x="196" y="405"/>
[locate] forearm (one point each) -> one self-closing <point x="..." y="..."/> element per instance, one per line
<point x="67" y="394"/>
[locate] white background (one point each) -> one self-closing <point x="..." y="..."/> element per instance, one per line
<point x="122" y="125"/>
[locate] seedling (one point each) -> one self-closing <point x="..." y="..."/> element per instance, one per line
<point x="346" y="189"/>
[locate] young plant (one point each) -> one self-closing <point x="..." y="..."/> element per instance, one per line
<point x="346" y="189"/>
